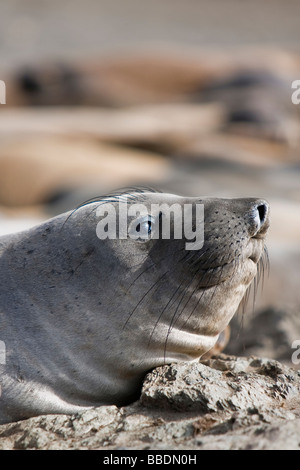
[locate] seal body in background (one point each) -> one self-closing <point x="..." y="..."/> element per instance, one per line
<point x="84" y="319"/>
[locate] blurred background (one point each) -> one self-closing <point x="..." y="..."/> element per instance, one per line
<point x="192" y="97"/>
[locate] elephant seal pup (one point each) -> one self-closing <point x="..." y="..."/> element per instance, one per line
<point x="83" y="319"/>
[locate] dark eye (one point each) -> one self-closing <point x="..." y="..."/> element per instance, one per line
<point x="144" y="228"/>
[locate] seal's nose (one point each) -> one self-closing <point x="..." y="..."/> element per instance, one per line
<point x="260" y="214"/>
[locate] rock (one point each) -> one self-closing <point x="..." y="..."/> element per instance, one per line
<point x="227" y="402"/>
<point x="220" y="385"/>
<point x="270" y="331"/>
<point x="61" y="431"/>
<point x="279" y="436"/>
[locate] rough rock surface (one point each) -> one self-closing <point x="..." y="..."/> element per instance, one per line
<point x="267" y="332"/>
<point x="225" y="402"/>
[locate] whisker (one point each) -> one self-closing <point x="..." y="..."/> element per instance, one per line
<point x="164" y="309"/>
<point x="197" y="302"/>
<point x="143" y="297"/>
<point x="174" y="319"/>
<point x="143" y="272"/>
<point x="193" y="292"/>
<point x="122" y="195"/>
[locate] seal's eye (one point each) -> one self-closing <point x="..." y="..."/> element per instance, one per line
<point x="142" y="228"/>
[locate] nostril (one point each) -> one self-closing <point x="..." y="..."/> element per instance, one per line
<point x="262" y="212"/>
